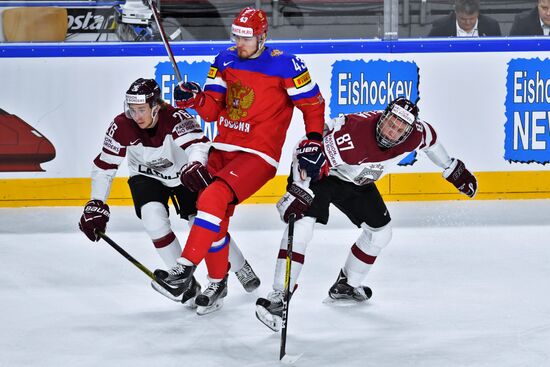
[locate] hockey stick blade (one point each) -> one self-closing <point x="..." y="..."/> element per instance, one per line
<point x="290" y="358"/>
<point x="137" y="264"/>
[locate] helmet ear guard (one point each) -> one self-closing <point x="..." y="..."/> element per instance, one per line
<point x="142" y="91"/>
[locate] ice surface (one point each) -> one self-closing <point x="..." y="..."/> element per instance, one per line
<point x="461" y="284"/>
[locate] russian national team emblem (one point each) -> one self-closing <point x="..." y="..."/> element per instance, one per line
<point x="527" y="126"/>
<point x="239" y="99"/>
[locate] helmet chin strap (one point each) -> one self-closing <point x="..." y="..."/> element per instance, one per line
<point x="154" y="115"/>
<point x="261" y="46"/>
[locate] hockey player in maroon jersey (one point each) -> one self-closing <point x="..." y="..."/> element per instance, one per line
<point x="251" y="91"/>
<point x="359" y="147"/>
<point x="159" y="141"/>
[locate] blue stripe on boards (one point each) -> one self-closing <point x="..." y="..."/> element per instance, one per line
<point x="206" y="225"/>
<point x="432" y="45"/>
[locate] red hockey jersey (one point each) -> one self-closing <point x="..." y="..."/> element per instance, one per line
<point x="252" y="101"/>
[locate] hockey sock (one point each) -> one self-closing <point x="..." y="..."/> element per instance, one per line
<point x="211" y="222"/>
<point x="364" y="251"/>
<point x="217" y="259"/>
<point x="303" y="232"/>
<point x="154" y="218"/>
<point x="236" y="258"/>
<point x="169" y="249"/>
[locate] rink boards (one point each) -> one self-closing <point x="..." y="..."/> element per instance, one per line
<point x="487" y="98"/>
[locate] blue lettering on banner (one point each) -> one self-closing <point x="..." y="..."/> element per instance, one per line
<point x="527" y="126"/>
<point x="358" y="86"/>
<point x="191" y="71"/>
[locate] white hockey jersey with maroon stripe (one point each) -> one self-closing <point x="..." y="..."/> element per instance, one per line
<point x="354" y="155"/>
<point x="159" y="152"/>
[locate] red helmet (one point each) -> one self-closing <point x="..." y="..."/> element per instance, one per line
<point x="250" y="22"/>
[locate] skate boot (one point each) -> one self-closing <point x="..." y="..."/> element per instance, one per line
<point x="341" y="290"/>
<point x="248" y="278"/>
<point x="188" y="297"/>
<point x="212" y="298"/>
<point x="176" y="282"/>
<point x="270" y="310"/>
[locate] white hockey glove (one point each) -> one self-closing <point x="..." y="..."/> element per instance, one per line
<point x="296" y="200"/>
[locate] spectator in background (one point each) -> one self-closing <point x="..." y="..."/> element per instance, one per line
<point x="534" y="23"/>
<point x="465" y="21"/>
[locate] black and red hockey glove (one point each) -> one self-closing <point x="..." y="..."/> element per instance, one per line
<point x="189" y="95"/>
<point x="296" y="200"/>
<point x="461" y="178"/>
<point x="311" y="159"/>
<point x="195" y="176"/>
<point x="95" y="218"/>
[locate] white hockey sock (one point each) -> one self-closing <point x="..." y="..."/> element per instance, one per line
<point x="157" y="225"/>
<point x="236" y="258"/>
<point x="168" y="250"/>
<point x="303" y="232"/>
<point x="364" y="251"/>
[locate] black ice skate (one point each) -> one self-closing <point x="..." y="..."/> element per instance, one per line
<point x="187" y="297"/>
<point x="212" y="298"/>
<point x="270" y="310"/>
<point x="341" y="290"/>
<point x="248" y="278"/>
<point x="177" y="283"/>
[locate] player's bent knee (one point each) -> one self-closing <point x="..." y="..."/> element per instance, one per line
<point x="155" y="220"/>
<point x="303" y="233"/>
<point x="373" y="240"/>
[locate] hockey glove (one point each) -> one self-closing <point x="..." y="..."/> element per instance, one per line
<point x="296" y="200"/>
<point x="189" y="95"/>
<point x="311" y="159"/>
<point x="195" y="176"/>
<point x="95" y="218"/>
<point x="461" y="178"/>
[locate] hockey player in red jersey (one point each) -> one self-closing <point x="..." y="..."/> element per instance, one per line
<point x="251" y="91"/>
<point x="359" y="147"/>
<point x="158" y="141"/>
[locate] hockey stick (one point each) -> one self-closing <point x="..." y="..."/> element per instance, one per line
<point x="283" y="356"/>
<point x="156" y="15"/>
<point x="139" y="265"/>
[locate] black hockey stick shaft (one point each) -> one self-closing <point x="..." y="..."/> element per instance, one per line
<point x="131" y="259"/>
<point x="156" y="15"/>
<point x="286" y="299"/>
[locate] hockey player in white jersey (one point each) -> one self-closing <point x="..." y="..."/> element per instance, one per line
<point x="360" y="148"/>
<point x="161" y="143"/>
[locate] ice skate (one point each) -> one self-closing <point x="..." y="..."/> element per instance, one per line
<point x="176" y="284"/>
<point x="212" y="298"/>
<point x="248" y="278"/>
<point x="270" y="310"/>
<point x="341" y="291"/>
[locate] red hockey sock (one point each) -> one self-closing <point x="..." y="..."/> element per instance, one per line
<point x="210" y="224"/>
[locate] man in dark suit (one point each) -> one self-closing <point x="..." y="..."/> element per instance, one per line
<point x="465" y="21"/>
<point x="534" y="23"/>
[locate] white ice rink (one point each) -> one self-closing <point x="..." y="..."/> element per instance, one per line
<point x="461" y="284"/>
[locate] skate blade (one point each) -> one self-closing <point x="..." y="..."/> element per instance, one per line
<point x="165" y="293"/>
<point x="266" y="318"/>
<point x="343" y="302"/>
<point x="290" y="358"/>
<point x="205" y="310"/>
